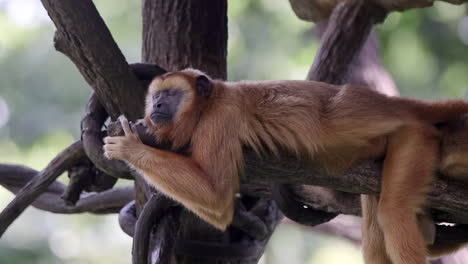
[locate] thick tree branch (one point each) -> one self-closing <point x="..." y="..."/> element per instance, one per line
<point x="83" y="36"/>
<point x="199" y="40"/>
<point x="63" y="161"/>
<point x="446" y="195"/>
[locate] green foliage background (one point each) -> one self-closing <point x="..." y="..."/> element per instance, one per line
<point x="42" y="97"/>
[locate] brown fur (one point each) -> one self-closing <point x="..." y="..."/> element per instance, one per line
<point x="322" y="122"/>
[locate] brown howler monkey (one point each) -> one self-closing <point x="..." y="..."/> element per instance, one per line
<point x="317" y="121"/>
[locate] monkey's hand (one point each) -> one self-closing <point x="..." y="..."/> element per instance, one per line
<point x="125" y="147"/>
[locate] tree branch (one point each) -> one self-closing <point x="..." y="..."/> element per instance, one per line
<point x="347" y="30"/>
<point x="244" y="249"/>
<point x="91" y="134"/>
<point x="163" y="239"/>
<point x="63" y="161"/>
<point x="83" y="36"/>
<point x="152" y="213"/>
<point x="317" y="10"/>
<point x="447" y="195"/>
<point x="15" y="177"/>
<point x="94" y="118"/>
<point x="85" y="177"/>
<point x="128" y="218"/>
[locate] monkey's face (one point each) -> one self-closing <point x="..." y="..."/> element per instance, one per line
<point x="165" y="105"/>
<point x="175" y="94"/>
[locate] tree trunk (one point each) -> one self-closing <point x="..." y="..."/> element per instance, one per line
<point x="178" y="34"/>
<point x="181" y="33"/>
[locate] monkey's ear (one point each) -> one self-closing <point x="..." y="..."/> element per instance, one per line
<point x="204" y="86"/>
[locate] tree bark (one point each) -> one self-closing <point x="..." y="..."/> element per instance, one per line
<point x="178" y="34"/>
<point x="83" y="36"/>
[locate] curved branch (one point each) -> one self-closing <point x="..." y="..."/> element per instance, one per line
<point x="15" y="177"/>
<point x="163" y="239"/>
<point x="64" y="160"/>
<point x="94" y="118"/>
<point x="128" y="218"/>
<point x="91" y="134"/>
<point x="152" y="213"/>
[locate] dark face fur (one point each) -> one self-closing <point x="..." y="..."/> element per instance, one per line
<point x="165" y="105"/>
<point x="166" y="102"/>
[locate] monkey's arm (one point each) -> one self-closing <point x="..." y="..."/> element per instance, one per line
<point x="179" y="177"/>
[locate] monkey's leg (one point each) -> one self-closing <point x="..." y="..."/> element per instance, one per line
<point x="373" y="245"/>
<point x="407" y="174"/>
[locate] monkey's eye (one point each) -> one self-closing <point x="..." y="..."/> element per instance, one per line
<point x="156" y="95"/>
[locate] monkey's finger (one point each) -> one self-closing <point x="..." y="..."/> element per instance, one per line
<point x="125" y="126"/>
<point x="108" y="147"/>
<point x="107" y="151"/>
<point x="110" y="154"/>
<point x="113" y="140"/>
<point x="109" y="140"/>
<point x="107" y="155"/>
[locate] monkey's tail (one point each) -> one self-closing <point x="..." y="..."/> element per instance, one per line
<point x="440" y="111"/>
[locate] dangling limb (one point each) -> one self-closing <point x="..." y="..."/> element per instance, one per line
<point x="373" y="245"/>
<point x="407" y="174"/>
